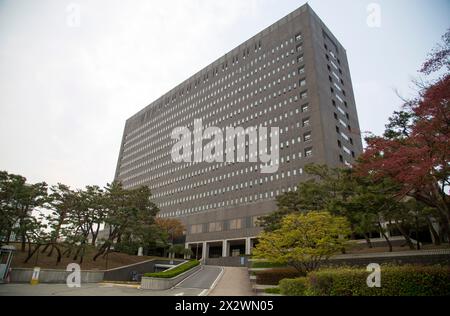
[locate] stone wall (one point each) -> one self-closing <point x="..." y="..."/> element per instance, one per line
<point x="23" y="275"/>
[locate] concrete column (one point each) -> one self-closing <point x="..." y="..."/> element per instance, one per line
<point x="248" y="246"/>
<point x="186" y="246"/>
<point x="224" y="248"/>
<point x="204" y="251"/>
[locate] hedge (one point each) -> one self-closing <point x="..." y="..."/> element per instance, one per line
<point x="273" y="276"/>
<point x="267" y="264"/>
<point x="272" y="290"/>
<point x="395" y="281"/>
<point x="293" y="287"/>
<point x="175" y="271"/>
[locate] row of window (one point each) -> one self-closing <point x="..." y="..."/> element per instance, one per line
<point x="164" y="152"/>
<point x="252" y="198"/>
<point x="256" y="185"/>
<point x="170" y="100"/>
<point x="233" y="224"/>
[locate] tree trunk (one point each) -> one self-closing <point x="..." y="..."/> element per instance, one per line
<point x="8" y="236"/>
<point x="83" y="246"/>
<point x="67" y="252"/>
<point x="30" y="255"/>
<point x="58" y="258"/>
<point x="417" y="233"/>
<point x="434" y="234"/>
<point x="95" y="235"/>
<point x="45" y="248"/>
<point x="76" y="254"/>
<point x="100" y="252"/>
<point x="385" y="236"/>
<point x="51" y="250"/>
<point x="407" y="239"/>
<point x="369" y="243"/>
<point x="23" y="242"/>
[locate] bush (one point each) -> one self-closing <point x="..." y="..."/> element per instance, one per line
<point x="293" y="287"/>
<point x="273" y="276"/>
<point x="272" y="290"/>
<point x="267" y="264"/>
<point x="175" y="271"/>
<point x="395" y="281"/>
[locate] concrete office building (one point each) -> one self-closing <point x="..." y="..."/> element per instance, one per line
<point x="293" y="75"/>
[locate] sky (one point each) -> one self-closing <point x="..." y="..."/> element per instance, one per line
<point x="72" y="72"/>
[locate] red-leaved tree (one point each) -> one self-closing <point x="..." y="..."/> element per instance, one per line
<point x="415" y="149"/>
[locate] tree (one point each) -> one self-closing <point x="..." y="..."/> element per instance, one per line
<point x="61" y="202"/>
<point x="304" y="241"/>
<point x="311" y="195"/>
<point x="415" y="149"/>
<point x="18" y="199"/>
<point x="130" y="218"/>
<point x="365" y="202"/>
<point x="173" y="227"/>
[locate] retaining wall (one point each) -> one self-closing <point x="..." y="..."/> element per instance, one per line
<point x="23" y="275"/>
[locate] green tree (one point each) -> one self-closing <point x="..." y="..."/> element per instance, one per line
<point x="18" y="199"/>
<point x="365" y="202"/>
<point x="130" y="218"/>
<point x="304" y="241"/>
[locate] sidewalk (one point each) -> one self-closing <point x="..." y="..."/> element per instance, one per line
<point x="234" y="282"/>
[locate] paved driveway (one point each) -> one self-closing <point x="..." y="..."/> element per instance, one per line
<point x="203" y="279"/>
<point x="197" y="284"/>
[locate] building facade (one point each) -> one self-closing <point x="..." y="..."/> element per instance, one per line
<point x="293" y="75"/>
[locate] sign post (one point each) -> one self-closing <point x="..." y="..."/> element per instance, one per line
<point x="35" y="276"/>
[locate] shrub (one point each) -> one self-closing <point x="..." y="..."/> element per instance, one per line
<point x="272" y="290"/>
<point x="175" y="271"/>
<point x="267" y="264"/>
<point x="273" y="276"/>
<point x="294" y="287"/>
<point x="395" y="281"/>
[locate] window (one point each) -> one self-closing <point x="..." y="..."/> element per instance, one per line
<point x="304" y="95"/>
<point x="347" y="150"/>
<point x="300" y="59"/>
<point x="305" y="107"/>
<point x="298" y="37"/>
<point x="307" y="137"/>
<point x="235" y="224"/>
<point x="196" y="229"/>
<point x="215" y="227"/>
<point x="302" y="82"/>
<point x="299" y="48"/>
<point x="301" y="70"/>
<point x="306" y="122"/>
<point x="308" y="152"/>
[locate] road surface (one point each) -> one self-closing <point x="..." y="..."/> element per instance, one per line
<point x="198" y="284"/>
